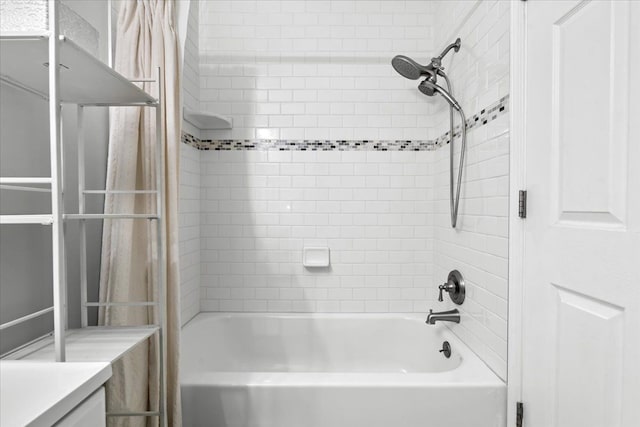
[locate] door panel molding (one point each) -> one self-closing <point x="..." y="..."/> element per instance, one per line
<point x="589" y="349"/>
<point x="588" y="155"/>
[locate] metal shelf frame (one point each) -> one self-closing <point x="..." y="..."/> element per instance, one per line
<point x="55" y="186"/>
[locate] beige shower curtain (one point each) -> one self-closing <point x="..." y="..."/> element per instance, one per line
<point x="145" y="40"/>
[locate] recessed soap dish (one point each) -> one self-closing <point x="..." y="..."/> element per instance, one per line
<point x="315" y="257"/>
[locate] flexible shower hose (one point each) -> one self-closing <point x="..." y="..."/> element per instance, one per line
<point x="454" y="198"/>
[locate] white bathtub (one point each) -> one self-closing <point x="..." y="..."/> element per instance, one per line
<point x="325" y="370"/>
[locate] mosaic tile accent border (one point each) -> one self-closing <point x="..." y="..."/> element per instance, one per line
<point x="485" y="116"/>
<point x="306" y="145"/>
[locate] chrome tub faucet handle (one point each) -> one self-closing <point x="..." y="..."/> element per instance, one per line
<point x="447" y="287"/>
<point x="454" y="286"/>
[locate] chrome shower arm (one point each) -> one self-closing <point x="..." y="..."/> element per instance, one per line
<point x="455" y="45"/>
<point x="436" y="62"/>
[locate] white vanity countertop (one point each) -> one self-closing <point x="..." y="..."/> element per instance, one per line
<point x="40" y="393"/>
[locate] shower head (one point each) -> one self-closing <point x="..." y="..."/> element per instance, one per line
<point x="409" y="68"/>
<point x="429" y="88"/>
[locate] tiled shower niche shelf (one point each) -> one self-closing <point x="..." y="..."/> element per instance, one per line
<point x="92" y="344"/>
<point x="204" y="120"/>
<point x="84" y="79"/>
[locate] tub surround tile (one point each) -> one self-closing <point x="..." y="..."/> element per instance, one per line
<point x="314" y="70"/>
<point x="478" y="247"/>
<point x="481" y="118"/>
<point x="371" y="208"/>
<point x="191" y="69"/>
<point x="306" y="145"/>
<point x="189" y="210"/>
<point x="332" y="150"/>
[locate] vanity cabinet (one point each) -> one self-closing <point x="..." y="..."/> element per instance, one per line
<point x="91" y="412"/>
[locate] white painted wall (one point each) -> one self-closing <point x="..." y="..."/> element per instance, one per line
<point x="303" y="69"/>
<point x="478" y="246"/>
<point x="25" y="251"/>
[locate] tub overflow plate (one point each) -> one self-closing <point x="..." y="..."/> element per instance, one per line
<point x="446" y="349"/>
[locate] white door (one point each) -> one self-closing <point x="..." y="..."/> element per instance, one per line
<point x="581" y="295"/>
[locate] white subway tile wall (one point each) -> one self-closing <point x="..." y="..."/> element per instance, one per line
<point x="302" y="69"/>
<point x="479" y="245"/>
<point x="189" y="210"/>
<point x="372" y="209"/>
<point x="320" y="70"/>
<point x="189" y="204"/>
<point x="479" y="72"/>
<point x="191" y="68"/>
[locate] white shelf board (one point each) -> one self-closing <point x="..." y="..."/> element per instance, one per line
<point x="204" y="120"/>
<point x="111" y="216"/>
<point x="84" y="79"/>
<point x="27" y="219"/>
<point x="26" y="180"/>
<point x="92" y="344"/>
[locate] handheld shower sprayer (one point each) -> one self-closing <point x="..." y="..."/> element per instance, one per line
<point x="410" y="69"/>
<point x="429" y="88"/>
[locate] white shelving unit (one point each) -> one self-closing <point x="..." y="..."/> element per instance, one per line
<point x="90" y="344"/>
<point x="83" y="80"/>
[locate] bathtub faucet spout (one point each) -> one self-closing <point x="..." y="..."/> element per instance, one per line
<point x="443" y="316"/>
